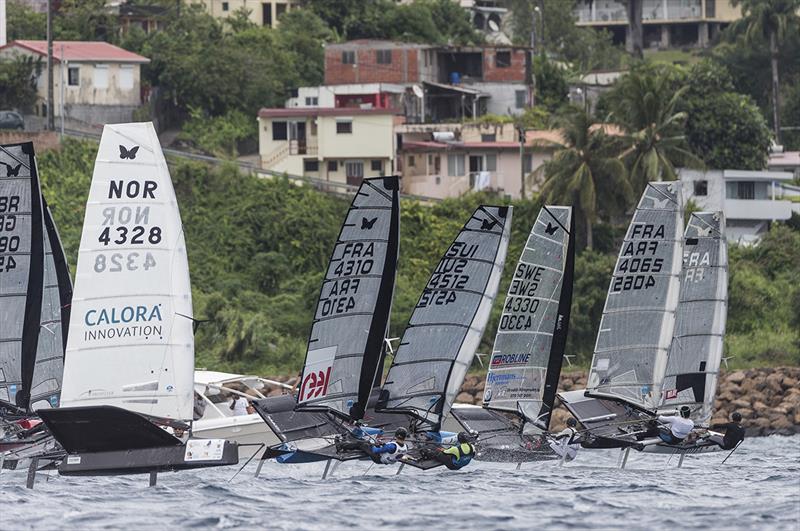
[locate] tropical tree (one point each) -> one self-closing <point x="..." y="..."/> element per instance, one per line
<point x="644" y="103"/>
<point x="770" y="20"/>
<point x="633" y="9"/>
<point x="586" y="172"/>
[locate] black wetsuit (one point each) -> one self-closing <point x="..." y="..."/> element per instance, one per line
<point x="734" y="434"/>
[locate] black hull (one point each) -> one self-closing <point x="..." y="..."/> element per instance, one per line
<point x="141" y="461"/>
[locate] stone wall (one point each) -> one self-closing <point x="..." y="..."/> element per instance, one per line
<point x="767" y="398"/>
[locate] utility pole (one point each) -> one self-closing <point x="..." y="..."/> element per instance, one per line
<point x="3" y="37"/>
<point x="533" y="54"/>
<point x="51" y="122"/>
<point x="521" y="132"/>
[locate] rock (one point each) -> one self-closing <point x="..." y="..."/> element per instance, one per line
<point x="736" y="377"/>
<point x="276" y="391"/>
<point x="774" y="381"/>
<point x="741" y="403"/>
<point x="790" y="383"/>
<point x="781" y="423"/>
<point x="465" y="398"/>
<point x="746" y="413"/>
<point x="760" y="407"/>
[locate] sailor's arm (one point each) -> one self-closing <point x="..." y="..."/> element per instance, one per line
<point x="384" y="448"/>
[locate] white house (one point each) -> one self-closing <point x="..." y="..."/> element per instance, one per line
<point x="98" y="82"/>
<point x="750" y="200"/>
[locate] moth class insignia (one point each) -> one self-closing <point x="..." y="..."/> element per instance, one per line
<point x="368" y="223"/>
<point x="125" y="153"/>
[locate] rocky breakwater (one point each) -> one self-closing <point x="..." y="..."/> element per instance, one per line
<point x="767" y="398"/>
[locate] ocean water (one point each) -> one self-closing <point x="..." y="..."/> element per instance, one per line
<point x="758" y="488"/>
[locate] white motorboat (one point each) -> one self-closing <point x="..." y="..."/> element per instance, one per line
<point x="215" y="391"/>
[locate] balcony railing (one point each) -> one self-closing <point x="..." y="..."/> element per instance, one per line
<point x="651" y="10"/>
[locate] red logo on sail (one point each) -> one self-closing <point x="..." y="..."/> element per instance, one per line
<point x="670" y="394"/>
<point x="315" y="385"/>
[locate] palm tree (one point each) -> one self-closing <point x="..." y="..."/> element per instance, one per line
<point x="644" y="103"/>
<point x="769" y="19"/>
<point x="585" y="171"/>
<point x="635" y="45"/>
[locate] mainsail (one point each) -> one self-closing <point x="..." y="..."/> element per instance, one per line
<point x="696" y="350"/>
<point x="630" y="355"/>
<point x="529" y="345"/>
<point x="347" y="337"/>
<point x="447" y="324"/>
<point x="130" y="339"/>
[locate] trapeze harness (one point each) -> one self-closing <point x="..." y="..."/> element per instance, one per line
<point x="387" y="458"/>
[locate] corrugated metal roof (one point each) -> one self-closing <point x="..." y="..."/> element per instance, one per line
<point x="81" y="51"/>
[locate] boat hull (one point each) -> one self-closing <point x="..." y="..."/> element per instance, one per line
<point x="248" y="431"/>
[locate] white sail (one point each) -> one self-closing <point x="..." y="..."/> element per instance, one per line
<point x="630" y="355"/>
<point x="696" y="351"/>
<point x="130" y="338"/>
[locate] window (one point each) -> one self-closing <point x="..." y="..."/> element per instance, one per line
<point x="475" y="163"/>
<point x="354" y="170"/>
<point x="521" y="98"/>
<point x="344" y="127"/>
<point x="310" y="165"/>
<point x="376" y="165"/>
<point x="489" y="138"/>
<point x="73" y="76"/>
<point x="266" y="14"/>
<point x="384" y="57"/>
<point x="503" y="59"/>
<point x="411" y="161"/>
<point x="491" y="162"/>
<point x="312" y="101"/>
<point x="225" y="6"/>
<point x="279" y="131"/>
<point x="280" y="9"/>
<point x="527" y="163"/>
<point x="701" y="188"/>
<point x="125" y="80"/>
<point x="455" y="165"/>
<point x="333" y="165"/>
<point x="349" y="58"/>
<point x="100" y="78"/>
<point x="746" y="190"/>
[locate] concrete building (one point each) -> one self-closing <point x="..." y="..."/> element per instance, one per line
<point x="339" y="145"/>
<point x="750" y="200"/>
<point x="97" y="81"/>
<point x="450" y="83"/>
<point x="448" y="160"/>
<point x="666" y="23"/>
<point x="261" y="13"/>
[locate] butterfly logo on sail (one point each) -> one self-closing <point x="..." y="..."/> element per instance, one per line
<point x="487" y="224"/>
<point x="315" y="385"/>
<point x="368" y="223"/>
<point x="551" y="229"/>
<point x="125" y="153"/>
<point x="661" y="204"/>
<point x="13" y="171"/>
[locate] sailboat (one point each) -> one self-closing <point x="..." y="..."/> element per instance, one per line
<point x="445" y="329"/>
<point x="528" y="351"/>
<point x="35" y="295"/>
<point x="129" y="364"/>
<point x="347" y="343"/>
<point x="644" y="362"/>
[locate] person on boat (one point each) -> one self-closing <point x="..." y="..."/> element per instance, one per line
<point x="565" y="443"/>
<point x="199" y="408"/>
<point x="734" y="432"/>
<point x="240" y="406"/>
<point x="453" y="457"/>
<point x="676" y="428"/>
<point x="382" y="454"/>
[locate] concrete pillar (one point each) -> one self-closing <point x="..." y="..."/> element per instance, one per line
<point x="665" y="37"/>
<point x="628" y="40"/>
<point x="703" y="35"/>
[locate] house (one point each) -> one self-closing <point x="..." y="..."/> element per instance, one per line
<point x="665" y="23"/>
<point x="341" y="145"/>
<point x="450" y="82"/>
<point x="261" y="13"/>
<point x="99" y="82"/>
<point x="785" y="161"/>
<point x="148" y="18"/>
<point x="363" y="95"/>
<point x="750" y="200"/>
<point x="448" y="160"/>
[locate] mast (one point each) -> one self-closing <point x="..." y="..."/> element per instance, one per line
<point x="697" y="345"/>
<point x="529" y="346"/>
<point x="447" y="324"/>
<point x="630" y="355"/>
<point x="346" y="342"/>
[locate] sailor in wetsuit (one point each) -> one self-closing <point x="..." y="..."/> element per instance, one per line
<point x="734" y="433"/>
<point x="678" y="427"/>
<point x="455" y="457"/>
<point x="566" y="443"/>
<point x="383" y="454"/>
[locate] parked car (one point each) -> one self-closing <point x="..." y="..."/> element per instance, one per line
<point x="11" y="120"/>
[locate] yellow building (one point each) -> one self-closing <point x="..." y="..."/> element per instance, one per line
<point x="666" y="23"/>
<point x="339" y="145"/>
<point x="261" y="13"/>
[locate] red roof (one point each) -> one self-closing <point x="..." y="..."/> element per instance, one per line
<point x="321" y="111"/>
<point x="81" y="51"/>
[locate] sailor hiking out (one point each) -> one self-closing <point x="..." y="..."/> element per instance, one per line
<point x="676" y="429"/>
<point x="454" y="457"/>
<point x="566" y="442"/>
<point x="734" y="433"/>
<point x="382" y="454"/>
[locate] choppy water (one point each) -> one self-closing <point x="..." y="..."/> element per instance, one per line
<point x="759" y="487"/>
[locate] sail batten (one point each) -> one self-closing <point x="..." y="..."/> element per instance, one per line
<point x="529" y="343"/>
<point x="447" y="324"/>
<point x="346" y="342"/>
<point x="132" y="307"/>
<point x="638" y="320"/>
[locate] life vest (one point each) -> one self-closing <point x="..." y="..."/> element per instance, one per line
<point x="392" y="457"/>
<point x="461" y="451"/>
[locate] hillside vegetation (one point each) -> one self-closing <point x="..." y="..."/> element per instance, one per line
<point x="258" y="248"/>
